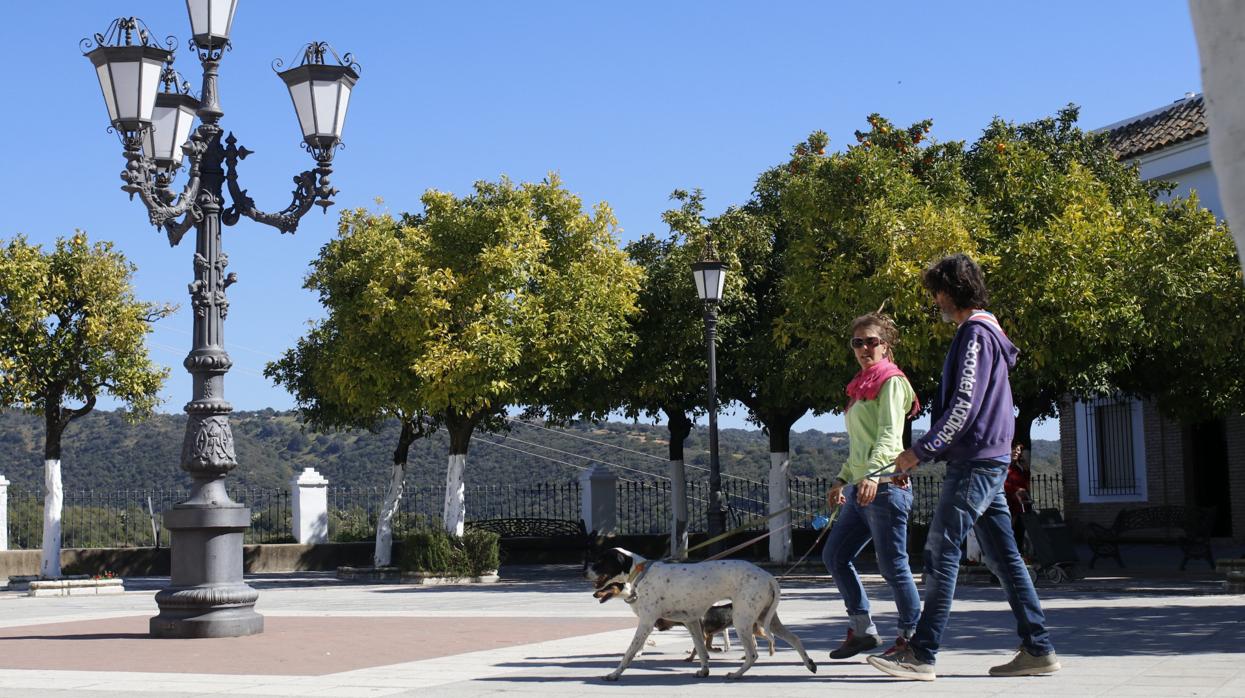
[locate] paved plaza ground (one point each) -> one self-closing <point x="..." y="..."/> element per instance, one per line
<point x="539" y="631"/>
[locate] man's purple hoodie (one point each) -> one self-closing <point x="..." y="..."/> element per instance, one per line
<point x="972" y="416"/>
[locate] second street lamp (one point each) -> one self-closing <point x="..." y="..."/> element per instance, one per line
<point x="207" y="596"/>
<point x="710" y="276"/>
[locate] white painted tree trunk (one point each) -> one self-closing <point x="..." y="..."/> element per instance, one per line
<point x="1220" y="29"/>
<point x="678" y="510"/>
<point x="779" y="499"/>
<point x="455" y="514"/>
<point x="53" y="500"/>
<point x="383" y="555"/>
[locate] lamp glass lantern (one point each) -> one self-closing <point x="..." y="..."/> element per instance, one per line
<point x="321" y="93"/>
<point x="210" y="21"/>
<point x="171" y="120"/>
<point x="710" y="275"/>
<point x="128" y="77"/>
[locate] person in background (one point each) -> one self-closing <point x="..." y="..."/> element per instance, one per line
<point x="1016" y="490"/>
<point x="880" y="400"/>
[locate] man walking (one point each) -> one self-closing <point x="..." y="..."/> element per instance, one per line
<point x="972" y="427"/>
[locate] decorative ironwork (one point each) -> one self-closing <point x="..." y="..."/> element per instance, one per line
<point x="209" y="53"/>
<point x="306" y="192"/>
<point x="314" y="53"/>
<point x="123" y="29"/>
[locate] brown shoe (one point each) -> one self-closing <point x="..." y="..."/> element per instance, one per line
<point x="855" y="644"/>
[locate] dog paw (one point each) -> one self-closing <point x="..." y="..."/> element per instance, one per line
<point x="734" y="675"/>
<point x="812" y="666"/>
<point x="611" y="677"/>
<point x="702" y="673"/>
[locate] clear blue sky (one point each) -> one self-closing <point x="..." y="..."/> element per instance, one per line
<point x="628" y="101"/>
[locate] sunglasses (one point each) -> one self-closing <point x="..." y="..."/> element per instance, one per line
<point x="862" y="342"/>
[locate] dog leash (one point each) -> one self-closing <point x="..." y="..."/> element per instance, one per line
<point x="738" y="529"/>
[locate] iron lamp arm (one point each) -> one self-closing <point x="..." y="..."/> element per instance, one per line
<point x="311" y="188"/>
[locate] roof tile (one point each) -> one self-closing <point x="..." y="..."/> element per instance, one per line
<point x="1180" y="122"/>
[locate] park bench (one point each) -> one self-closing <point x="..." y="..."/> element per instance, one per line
<point x="532" y="528"/>
<point x="1186" y="527"/>
<point x="536" y="540"/>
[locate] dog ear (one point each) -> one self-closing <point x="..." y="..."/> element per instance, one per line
<point x="624" y="560"/>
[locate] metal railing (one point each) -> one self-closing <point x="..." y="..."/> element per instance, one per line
<point x="124" y="518"/>
<point x="135" y="518"/>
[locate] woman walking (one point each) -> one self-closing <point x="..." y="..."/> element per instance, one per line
<point x="874" y="508"/>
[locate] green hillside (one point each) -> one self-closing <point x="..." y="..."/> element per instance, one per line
<point x="103" y="452"/>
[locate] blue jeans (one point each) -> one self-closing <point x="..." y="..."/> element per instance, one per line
<point x="972" y="497"/>
<point x="885" y="522"/>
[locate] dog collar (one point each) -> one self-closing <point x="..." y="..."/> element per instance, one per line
<point x="633" y="580"/>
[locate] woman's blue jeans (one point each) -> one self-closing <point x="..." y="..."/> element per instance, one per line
<point x="972" y="498"/>
<point x="885" y="522"/>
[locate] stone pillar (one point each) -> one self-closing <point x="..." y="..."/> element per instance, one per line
<point x="599" y="487"/>
<point x="4" y="513"/>
<point x="779" y="499"/>
<point x="309" y="492"/>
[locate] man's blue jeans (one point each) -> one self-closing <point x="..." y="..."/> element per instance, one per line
<point x="972" y="498"/>
<point x="885" y="522"/>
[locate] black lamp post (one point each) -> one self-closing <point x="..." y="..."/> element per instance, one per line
<point x="710" y="275"/>
<point x="207" y="596"/>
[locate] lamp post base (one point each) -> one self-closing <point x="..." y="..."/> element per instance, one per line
<point x="207" y="597"/>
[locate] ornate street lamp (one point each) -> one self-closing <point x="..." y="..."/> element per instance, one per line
<point x="710" y="276"/>
<point x="207" y="596"/>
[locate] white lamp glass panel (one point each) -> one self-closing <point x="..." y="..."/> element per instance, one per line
<point x="158" y="141"/>
<point x="198" y="9"/>
<point x="302" y="106"/>
<point x="700" y="283"/>
<point x="185" y="120"/>
<point x="127" y="86"/>
<point x="222" y="16"/>
<point x="150" y="83"/>
<point x="343" y="99"/>
<point x="721" y="282"/>
<point x="711" y="284"/>
<point x="325" y="96"/>
<point x="105" y="86"/>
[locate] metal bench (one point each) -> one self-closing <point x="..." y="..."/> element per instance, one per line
<point x="1187" y="527"/>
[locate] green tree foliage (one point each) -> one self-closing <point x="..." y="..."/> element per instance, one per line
<point x="512" y="295"/>
<point x="864" y="224"/>
<point x="1101" y="279"/>
<point x="668" y="368"/>
<point x="71" y="330"/>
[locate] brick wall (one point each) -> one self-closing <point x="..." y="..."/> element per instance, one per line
<point x="1164" y="443"/>
<point x="1234" y="433"/>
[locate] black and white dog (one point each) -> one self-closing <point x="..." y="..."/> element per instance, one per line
<point x="684" y="592"/>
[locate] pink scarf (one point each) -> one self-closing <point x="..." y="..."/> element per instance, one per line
<point x="868" y="383"/>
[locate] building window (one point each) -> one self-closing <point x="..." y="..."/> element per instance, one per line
<point x="1110" y="451"/>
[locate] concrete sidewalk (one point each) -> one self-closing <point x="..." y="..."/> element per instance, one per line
<point x="540" y="631"/>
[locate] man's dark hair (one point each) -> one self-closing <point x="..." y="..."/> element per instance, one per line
<point x="960" y="278"/>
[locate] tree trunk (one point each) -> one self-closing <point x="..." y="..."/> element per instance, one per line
<point x="1026" y="414"/>
<point x="382" y="556"/>
<point x="454" y="514"/>
<point x="54" y="497"/>
<point x="680" y="426"/>
<point x="779" y="427"/>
